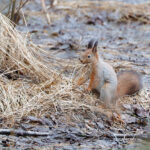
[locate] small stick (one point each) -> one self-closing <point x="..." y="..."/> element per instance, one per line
<point x="13" y="9"/>
<point x="111" y="135"/>
<point x="21" y="5"/>
<point x="45" y="11"/>
<point x="23" y="133"/>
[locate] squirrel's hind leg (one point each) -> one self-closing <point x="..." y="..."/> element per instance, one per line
<point x="107" y="95"/>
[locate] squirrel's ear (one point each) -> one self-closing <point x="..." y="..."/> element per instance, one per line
<point x="94" y="50"/>
<point x="90" y="44"/>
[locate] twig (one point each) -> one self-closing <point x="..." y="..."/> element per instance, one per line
<point x="111" y="135"/>
<point x="114" y="135"/>
<point x="9" y="8"/>
<point x="45" y="11"/>
<point x="23" y="133"/>
<point x="21" y="5"/>
<point x="13" y="9"/>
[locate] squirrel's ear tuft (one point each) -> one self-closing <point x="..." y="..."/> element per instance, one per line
<point x="95" y="47"/>
<point x="90" y="44"/>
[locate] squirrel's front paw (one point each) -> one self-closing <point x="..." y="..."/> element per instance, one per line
<point x="88" y="90"/>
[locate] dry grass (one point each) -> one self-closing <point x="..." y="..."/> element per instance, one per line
<point x="42" y="84"/>
<point x="18" y="54"/>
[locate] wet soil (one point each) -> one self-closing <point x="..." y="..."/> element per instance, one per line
<point x="124" y="45"/>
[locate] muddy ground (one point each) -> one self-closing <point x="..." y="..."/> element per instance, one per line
<point x="124" y="44"/>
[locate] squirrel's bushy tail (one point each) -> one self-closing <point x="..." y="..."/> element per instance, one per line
<point x="129" y="82"/>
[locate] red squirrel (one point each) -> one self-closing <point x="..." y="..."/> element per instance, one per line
<point x="104" y="79"/>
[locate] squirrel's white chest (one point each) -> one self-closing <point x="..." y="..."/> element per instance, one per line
<point x="99" y="79"/>
<point x="105" y="74"/>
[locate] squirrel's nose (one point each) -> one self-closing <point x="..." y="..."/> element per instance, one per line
<point x="80" y="60"/>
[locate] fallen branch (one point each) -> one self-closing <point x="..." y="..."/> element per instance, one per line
<point x="33" y="133"/>
<point x="23" y="133"/>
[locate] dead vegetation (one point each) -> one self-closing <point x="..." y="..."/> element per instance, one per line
<point x="11" y="8"/>
<point x="32" y="82"/>
<point x="115" y="11"/>
<point x="21" y="59"/>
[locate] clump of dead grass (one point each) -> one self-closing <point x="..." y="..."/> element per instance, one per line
<point x="41" y="83"/>
<point x="16" y="53"/>
<point x="21" y="57"/>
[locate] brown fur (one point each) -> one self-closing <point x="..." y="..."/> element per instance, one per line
<point x="92" y="78"/>
<point x="129" y="82"/>
<point x="80" y="80"/>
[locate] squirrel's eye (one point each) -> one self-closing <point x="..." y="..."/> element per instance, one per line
<point x="89" y="56"/>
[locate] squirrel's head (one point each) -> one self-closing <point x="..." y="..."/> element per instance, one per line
<point x="90" y="55"/>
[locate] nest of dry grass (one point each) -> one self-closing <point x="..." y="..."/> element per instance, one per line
<point x="32" y="82"/>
